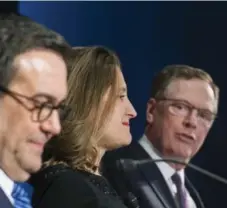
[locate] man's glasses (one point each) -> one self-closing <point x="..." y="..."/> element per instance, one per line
<point x="182" y="108"/>
<point x="41" y="111"/>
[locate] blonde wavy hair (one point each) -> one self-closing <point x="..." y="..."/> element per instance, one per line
<point x="93" y="74"/>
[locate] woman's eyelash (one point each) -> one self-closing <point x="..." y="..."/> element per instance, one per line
<point x="122" y="96"/>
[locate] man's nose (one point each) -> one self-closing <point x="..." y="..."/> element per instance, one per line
<point x="191" y="120"/>
<point x="52" y="126"/>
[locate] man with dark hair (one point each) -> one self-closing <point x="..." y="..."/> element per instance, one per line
<point x="179" y="114"/>
<point x="33" y="85"/>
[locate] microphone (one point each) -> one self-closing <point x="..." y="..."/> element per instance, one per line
<point x="192" y="166"/>
<point x="132" y="201"/>
<point x="129" y="199"/>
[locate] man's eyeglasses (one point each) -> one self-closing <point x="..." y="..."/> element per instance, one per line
<point x="182" y="108"/>
<point x="41" y="111"/>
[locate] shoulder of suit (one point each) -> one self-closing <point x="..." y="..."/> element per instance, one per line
<point x="124" y="152"/>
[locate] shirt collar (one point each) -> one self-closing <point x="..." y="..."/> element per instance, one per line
<point x="6" y="183"/>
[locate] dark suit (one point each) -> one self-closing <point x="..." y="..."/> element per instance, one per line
<point x="4" y="201"/>
<point x="130" y="170"/>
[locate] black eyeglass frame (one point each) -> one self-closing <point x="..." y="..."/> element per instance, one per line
<point x="39" y="106"/>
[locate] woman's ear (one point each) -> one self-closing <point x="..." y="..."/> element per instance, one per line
<point x="151" y="104"/>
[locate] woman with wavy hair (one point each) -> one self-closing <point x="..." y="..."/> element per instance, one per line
<point x="98" y="121"/>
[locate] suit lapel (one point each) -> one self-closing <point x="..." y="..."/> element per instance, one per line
<point x="153" y="176"/>
<point x="4" y="201"/>
<point x="136" y="152"/>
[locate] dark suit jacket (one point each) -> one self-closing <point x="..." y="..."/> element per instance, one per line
<point x="61" y="187"/>
<point x="131" y="173"/>
<point x="4" y="201"/>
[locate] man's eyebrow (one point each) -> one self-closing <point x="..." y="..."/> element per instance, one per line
<point x="46" y="96"/>
<point x="185" y="101"/>
<point x="49" y="98"/>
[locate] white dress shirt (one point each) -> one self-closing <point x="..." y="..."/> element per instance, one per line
<point x="166" y="170"/>
<point x="6" y="185"/>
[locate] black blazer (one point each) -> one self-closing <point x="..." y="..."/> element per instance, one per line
<point x="4" y="201"/>
<point x="61" y="187"/>
<point x="131" y="173"/>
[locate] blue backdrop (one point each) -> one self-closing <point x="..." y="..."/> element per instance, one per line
<point x="147" y="36"/>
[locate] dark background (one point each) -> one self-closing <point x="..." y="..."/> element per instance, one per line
<point x="147" y="36"/>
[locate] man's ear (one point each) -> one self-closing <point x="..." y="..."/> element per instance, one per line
<point x="151" y="104"/>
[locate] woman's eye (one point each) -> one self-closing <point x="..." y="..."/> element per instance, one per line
<point x="122" y="96"/>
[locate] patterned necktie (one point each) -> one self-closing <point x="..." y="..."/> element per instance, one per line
<point x="22" y="194"/>
<point x="181" y="192"/>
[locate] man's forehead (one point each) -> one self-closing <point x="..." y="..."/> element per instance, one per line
<point x="196" y="91"/>
<point x="36" y="58"/>
<point x="42" y="73"/>
<point x="30" y="63"/>
<point x="191" y="85"/>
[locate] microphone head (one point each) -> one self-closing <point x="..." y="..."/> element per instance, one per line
<point x="132" y="201"/>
